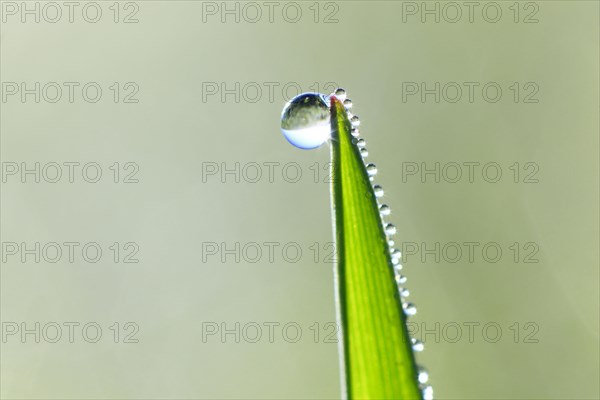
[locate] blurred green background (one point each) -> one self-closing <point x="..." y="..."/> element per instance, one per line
<point x="176" y="58"/>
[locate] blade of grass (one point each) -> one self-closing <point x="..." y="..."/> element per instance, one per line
<point x="378" y="360"/>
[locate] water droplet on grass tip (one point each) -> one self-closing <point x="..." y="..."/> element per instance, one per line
<point x="401" y="279"/>
<point x="355" y="121"/>
<point x="361" y="143"/>
<point x="305" y="120"/>
<point x="364" y="152"/>
<point x="378" y="191"/>
<point x="348" y="104"/>
<point x="340" y="93"/>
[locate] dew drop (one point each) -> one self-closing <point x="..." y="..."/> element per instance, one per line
<point x="397" y="268"/>
<point x="391" y="243"/>
<point x="427" y="392"/>
<point x="417" y="345"/>
<point x="354" y="132"/>
<point x="404" y="292"/>
<point x="361" y="143"/>
<point x="397" y="254"/>
<point x="340" y="93"/>
<point x="384" y="209"/>
<point x="396" y="261"/>
<point x="355" y="121"/>
<point x="305" y="120"/>
<point x="409" y="309"/>
<point x="371" y="169"/>
<point x="401" y="279"/>
<point x="348" y="104"/>
<point x="422" y="376"/>
<point x="378" y="190"/>
<point x="364" y="152"/>
<point x="390" y="229"/>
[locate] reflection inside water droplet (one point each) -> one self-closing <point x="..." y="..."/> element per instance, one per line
<point x="305" y="120"/>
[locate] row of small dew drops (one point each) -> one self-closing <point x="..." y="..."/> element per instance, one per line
<point x="384" y="210"/>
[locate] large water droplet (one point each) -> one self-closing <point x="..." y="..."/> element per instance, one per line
<point x="305" y="120"/>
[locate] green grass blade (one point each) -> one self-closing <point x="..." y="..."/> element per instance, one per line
<point x="378" y="360"/>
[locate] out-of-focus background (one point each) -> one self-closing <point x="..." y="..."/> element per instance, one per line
<point x="161" y="239"/>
